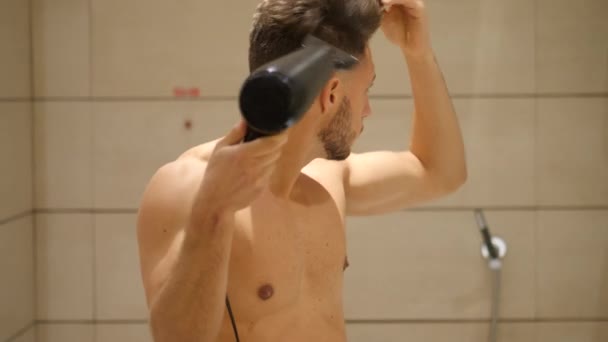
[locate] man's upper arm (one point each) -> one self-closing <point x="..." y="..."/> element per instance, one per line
<point x="384" y="181"/>
<point x="162" y="216"/>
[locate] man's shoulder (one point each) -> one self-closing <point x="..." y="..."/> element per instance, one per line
<point x="165" y="204"/>
<point x="173" y="185"/>
<point x="329" y="174"/>
<point x="323" y="170"/>
<point x="200" y="152"/>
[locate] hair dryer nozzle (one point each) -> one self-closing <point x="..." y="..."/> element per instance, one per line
<point x="276" y="95"/>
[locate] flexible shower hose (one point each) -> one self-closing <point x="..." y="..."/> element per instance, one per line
<point x="496" y="267"/>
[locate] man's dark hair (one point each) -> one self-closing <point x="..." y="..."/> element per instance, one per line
<point x="280" y="26"/>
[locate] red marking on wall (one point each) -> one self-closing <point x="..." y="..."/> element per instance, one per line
<point x="195" y="92"/>
<point x="186" y="92"/>
<point x="178" y="92"/>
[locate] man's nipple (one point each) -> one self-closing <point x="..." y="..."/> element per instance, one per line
<point x="265" y="291"/>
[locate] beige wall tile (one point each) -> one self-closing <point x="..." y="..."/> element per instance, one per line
<point x="388" y="127"/>
<point x="63" y="155"/>
<point x="478" y="47"/>
<point x="485" y="54"/>
<point x="212" y="120"/>
<point x="16" y="152"/>
<point x="572" y="152"/>
<point x="61" y="48"/>
<point x="66" y="333"/>
<point x="499" y="140"/>
<point x="28" y="336"/>
<point x="15" y="61"/>
<point x="64" y="244"/>
<point x="119" y="288"/>
<point x="572" y="264"/>
<point x="428" y="265"/>
<point x="392" y="76"/>
<point x="435" y="332"/>
<point x="572" y="49"/>
<point x="573" y="331"/>
<point x="123" y="333"/>
<point x="147" y="48"/>
<point x="17" y="269"/>
<point x="132" y="140"/>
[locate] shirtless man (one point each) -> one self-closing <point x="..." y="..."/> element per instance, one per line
<point x="262" y="223"/>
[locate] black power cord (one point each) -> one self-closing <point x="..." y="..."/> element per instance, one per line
<point x="236" y="333"/>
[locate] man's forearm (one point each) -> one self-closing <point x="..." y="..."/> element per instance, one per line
<point x="190" y="305"/>
<point x="436" y="136"/>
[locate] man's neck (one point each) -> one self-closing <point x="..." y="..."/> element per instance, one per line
<point x="296" y="154"/>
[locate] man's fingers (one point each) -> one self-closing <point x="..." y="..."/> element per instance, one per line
<point x="265" y="145"/>
<point x="235" y="136"/>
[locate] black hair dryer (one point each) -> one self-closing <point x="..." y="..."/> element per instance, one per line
<point x="276" y="95"/>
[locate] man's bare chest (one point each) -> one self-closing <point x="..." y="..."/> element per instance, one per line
<point x="282" y="255"/>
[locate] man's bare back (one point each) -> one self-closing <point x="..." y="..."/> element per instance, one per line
<point x="287" y="257"/>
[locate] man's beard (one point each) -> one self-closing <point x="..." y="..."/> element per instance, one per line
<point x="337" y="136"/>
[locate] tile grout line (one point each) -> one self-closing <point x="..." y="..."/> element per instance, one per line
<point x="90" y="48"/>
<point x="93" y="321"/>
<point x="429" y="209"/>
<point x="92" y="167"/>
<point x="475" y="321"/>
<point x="536" y="168"/>
<point x="33" y="164"/>
<point x="94" y="267"/>
<point x="86" y="211"/>
<point x="537" y="292"/>
<point x="512" y="208"/>
<point x="359" y="321"/>
<point x="233" y="98"/>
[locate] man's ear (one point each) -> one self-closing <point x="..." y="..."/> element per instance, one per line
<point x="330" y="95"/>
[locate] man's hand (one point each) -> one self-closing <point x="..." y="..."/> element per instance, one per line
<point x="405" y="24"/>
<point x="238" y="172"/>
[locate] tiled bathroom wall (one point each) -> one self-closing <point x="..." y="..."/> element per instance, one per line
<point x="529" y="80"/>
